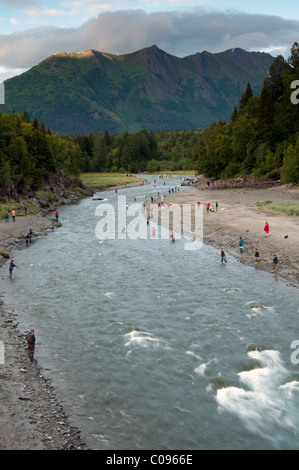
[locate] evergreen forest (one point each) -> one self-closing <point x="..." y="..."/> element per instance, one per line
<point x="262" y="136"/>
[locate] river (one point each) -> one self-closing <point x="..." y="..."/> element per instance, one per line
<point x="152" y="346"/>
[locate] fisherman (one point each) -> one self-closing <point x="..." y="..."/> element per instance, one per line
<point x="28" y="236"/>
<point x="31" y="344"/>
<point x="222" y="254"/>
<point x="241" y="244"/>
<point x="275" y="262"/>
<point x="11" y="266"/>
<point x="57" y="215"/>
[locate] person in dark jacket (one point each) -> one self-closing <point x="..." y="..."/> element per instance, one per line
<point x="275" y="262"/>
<point x="11" y="266"/>
<point x="31" y="344"/>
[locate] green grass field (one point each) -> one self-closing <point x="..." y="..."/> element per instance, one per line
<point x="281" y="207"/>
<point x="106" y="180"/>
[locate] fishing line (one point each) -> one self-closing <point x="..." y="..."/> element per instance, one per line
<point x="51" y="322"/>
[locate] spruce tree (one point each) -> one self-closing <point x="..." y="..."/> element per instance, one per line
<point x="248" y="93"/>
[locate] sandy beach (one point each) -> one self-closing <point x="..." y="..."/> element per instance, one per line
<point x="239" y="216"/>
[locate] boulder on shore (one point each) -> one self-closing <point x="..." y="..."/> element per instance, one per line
<point x="5" y="253"/>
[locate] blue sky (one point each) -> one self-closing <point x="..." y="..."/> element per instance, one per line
<point x="31" y="30"/>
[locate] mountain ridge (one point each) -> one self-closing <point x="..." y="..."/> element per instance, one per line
<point x="75" y="93"/>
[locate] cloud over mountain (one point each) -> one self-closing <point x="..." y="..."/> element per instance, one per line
<point x="180" y="33"/>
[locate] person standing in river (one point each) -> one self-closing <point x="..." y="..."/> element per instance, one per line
<point x="222" y="254"/>
<point x="11" y="266"/>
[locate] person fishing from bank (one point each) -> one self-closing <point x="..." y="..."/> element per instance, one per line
<point x="275" y="262"/>
<point x="28" y="236"/>
<point x="12" y="265"/>
<point x="241" y="244"/>
<point x="30" y="337"/>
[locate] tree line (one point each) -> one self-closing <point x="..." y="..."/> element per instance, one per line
<point x="141" y="151"/>
<point x="29" y="152"/>
<point x="262" y="135"/>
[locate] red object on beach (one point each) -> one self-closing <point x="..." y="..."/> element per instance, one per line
<point x="267" y="229"/>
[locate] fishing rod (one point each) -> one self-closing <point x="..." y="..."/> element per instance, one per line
<point x="51" y="322"/>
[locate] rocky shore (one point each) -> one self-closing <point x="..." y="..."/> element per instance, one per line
<point x="31" y="416"/>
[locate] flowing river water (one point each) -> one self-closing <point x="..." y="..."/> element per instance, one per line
<point x="152" y="346"/>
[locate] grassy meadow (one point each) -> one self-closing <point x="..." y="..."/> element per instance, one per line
<point x="280" y="207"/>
<point x="106" y="180"/>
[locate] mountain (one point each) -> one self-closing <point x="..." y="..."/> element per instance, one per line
<point x="75" y="93"/>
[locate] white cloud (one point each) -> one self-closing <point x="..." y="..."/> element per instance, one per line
<point x="6" y="73"/>
<point x="177" y="33"/>
<point x="40" y="12"/>
<point x="19" y="3"/>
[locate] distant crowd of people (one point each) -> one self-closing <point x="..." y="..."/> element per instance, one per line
<point x="256" y="252"/>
